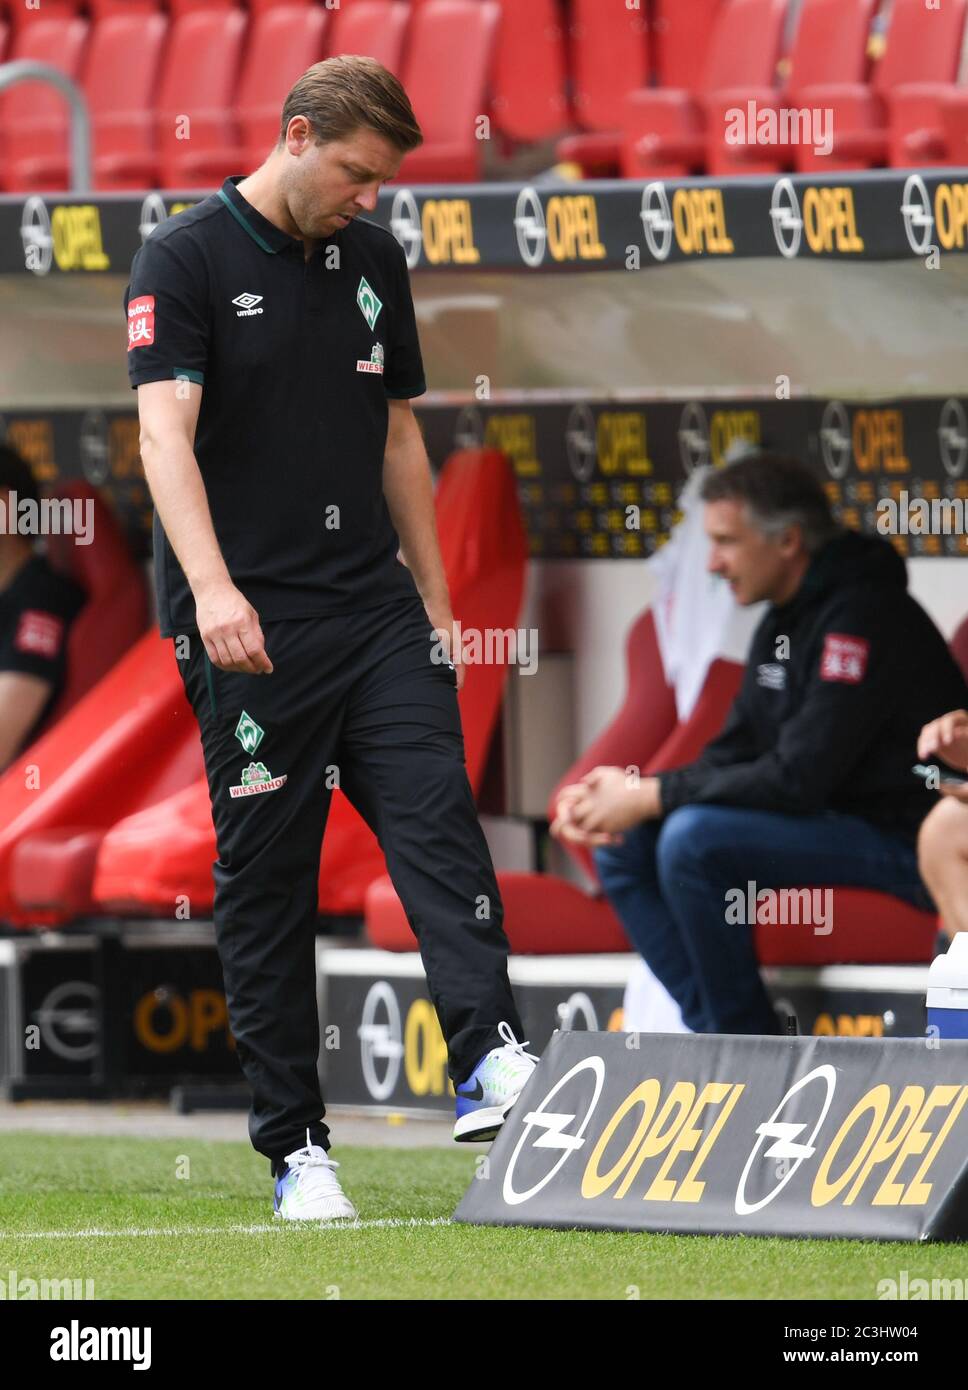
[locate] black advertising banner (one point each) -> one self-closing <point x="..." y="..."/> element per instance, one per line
<point x="381" y="1042"/>
<point x="883" y="214"/>
<point x="743" y="1135"/>
<point x="600" y="479"/>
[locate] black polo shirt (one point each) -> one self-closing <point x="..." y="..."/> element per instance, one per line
<point x="297" y="360"/>
<point x="36" y="611"/>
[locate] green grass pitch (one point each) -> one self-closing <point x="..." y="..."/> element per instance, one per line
<point x="116" y="1211"/>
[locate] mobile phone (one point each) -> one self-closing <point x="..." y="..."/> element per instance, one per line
<point x="946" y="776"/>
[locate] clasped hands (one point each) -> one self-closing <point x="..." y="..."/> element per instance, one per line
<point x="604" y="804"/>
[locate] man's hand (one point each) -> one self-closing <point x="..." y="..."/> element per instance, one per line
<point x="948" y="738"/>
<point x="443" y="623"/>
<point x="564" y="828"/>
<point x="604" y="804"/>
<point x="958" y="790"/>
<point x="229" y="627"/>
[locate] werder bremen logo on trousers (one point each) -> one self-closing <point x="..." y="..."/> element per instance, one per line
<point x="248" y="732"/>
<point x="370" y="305"/>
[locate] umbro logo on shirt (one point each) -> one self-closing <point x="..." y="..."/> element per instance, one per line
<point x="247" y="303"/>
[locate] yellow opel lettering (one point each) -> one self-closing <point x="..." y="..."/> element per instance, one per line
<point x="667" y="1124"/>
<point x="917" y="1191"/>
<point x="688" y="1189"/>
<point x="646" y="1095"/>
<point x="728" y="426"/>
<point x="448" y="232"/>
<point x="622" y="442"/>
<point x="890" y="1138"/>
<point x="699" y="219"/>
<point x="951" y="214"/>
<point x="572" y="222"/>
<point x="829" y="220"/>
<point x="424" y="1050"/>
<point x="76" y="234"/>
<point x="144" y="1021"/>
<point x="878" y="440"/>
<point x="514" y="434"/>
<point x="208" y="1014"/>
<point x="876" y="1101"/>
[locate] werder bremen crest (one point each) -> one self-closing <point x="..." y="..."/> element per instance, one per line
<point x="248" y="732"/>
<point x="370" y="305"/>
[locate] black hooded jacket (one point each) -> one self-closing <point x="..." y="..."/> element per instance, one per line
<point x="828" y="720"/>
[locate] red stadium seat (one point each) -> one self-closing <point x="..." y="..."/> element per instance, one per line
<point x="198" y="81"/>
<point x="953" y="107"/>
<point x="4" y="38"/>
<point x="375" y="28"/>
<point x="868" y="929"/>
<point x="665" y="131"/>
<point x="643" y="723"/>
<point x="147" y="859"/>
<point x="829" y="45"/>
<point x="283" y="42"/>
<point x="448" y="37"/>
<point x="528" y="94"/>
<point x="177" y="8"/>
<point x="129" y="742"/>
<point x="609" y="57"/>
<point x="34" y="118"/>
<point x="116" y="613"/>
<point x="681" y="33"/>
<point x="897" y="118"/>
<point x="17" y="13"/>
<point x="98" y="9"/>
<point x="198" y="77"/>
<point x="543" y="915"/>
<point x="120" y="77"/>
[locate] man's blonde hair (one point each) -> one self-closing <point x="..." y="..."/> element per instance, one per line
<point x="341" y="94"/>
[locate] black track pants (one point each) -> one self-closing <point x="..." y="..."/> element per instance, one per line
<point x="358" y="698"/>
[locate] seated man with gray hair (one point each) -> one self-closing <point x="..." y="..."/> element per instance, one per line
<point x="809" y="782"/>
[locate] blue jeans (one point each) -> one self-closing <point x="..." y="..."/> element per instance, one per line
<point x="668" y="882"/>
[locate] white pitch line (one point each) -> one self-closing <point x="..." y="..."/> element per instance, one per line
<point x="255" y="1230"/>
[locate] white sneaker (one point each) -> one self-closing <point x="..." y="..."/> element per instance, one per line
<point x="485" y="1098"/>
<point x="309" y="1190"/>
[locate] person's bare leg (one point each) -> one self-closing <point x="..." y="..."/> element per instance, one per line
<point x="943" y="862"/>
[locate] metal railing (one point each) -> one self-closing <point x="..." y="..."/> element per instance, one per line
<point x="25" y="69"/>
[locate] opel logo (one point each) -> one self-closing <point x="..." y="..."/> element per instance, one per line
<point x="468" y="428"/>
<point x="67" y="1019"/>
<point x="552" y="1127"/>
<point x="656" y="220"/>
<point x="153" y="213"/>
<point x="953" y="438"/>
<point x="835" y="438"/>
<point x="786" y="1137"/>
<point x="35" y="235"/>
<point x="529" y="227"/>
<point x="381" y="1046"/>
<point x="405" y="225"/>
<point x="94" y="450"/>
<point x="693" y="437"/>
<point x="786" y="219"/>
<point x="580" y="442"/>
<point x="917" y="214"/>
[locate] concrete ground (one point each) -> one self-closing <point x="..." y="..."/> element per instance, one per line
<point x="156" y="1120"/>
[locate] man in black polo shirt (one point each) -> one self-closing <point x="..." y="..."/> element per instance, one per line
<point x="272" y="339"/>
<point x="37" y="607"/>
